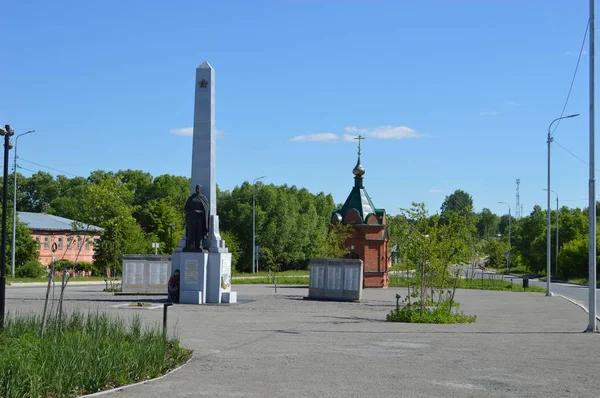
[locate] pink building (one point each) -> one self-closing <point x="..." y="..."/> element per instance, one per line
<point x="60" y="238"/>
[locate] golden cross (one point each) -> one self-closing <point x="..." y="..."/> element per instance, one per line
<point x="359" y="138"/>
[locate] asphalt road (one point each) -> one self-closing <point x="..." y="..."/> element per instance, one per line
<point x="280" y="345"/>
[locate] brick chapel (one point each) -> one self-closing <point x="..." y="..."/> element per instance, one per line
<point x="370" y="237"/>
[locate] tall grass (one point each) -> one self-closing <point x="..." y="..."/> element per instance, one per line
<point x="86" y="354"/>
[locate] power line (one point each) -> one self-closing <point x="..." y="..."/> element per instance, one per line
<point x="587" y="26"/>
<point x="49" y="168"/>
<point x="572" y="154"/>
<point x="21" y="167"/>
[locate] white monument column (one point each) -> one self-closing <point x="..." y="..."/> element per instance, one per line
<point x="205" y="276"/>
<point x="203" y="148"/>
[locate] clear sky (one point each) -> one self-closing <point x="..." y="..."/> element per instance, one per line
<point x="451" y="94"/>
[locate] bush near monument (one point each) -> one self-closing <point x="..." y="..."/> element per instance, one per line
<point x="31" y="269"/>
<point x="444" y="312"/>
<point x="87" y="354"/>
<point x="430" y="245"/>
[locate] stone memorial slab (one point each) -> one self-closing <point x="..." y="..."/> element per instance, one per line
<point x="335" y="279"/>
<point x="145" y="274"/>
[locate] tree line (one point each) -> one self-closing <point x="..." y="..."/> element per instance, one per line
<point x="136" y="209"/>
<point x="489" y="236"/>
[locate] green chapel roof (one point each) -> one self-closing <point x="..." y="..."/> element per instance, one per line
<point x="359" y="199"/>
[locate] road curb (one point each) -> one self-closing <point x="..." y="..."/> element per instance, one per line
<point x="117" y="389"/>
<point x="583" y="307"/>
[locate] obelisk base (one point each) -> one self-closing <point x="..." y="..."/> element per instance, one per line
<point x="204" y="277"/>
<point x="192" y="268"/>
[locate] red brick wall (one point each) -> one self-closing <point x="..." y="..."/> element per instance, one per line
<point x="367" y="242"/>
<point x="68" y="251"/>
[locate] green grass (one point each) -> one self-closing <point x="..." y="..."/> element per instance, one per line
<point x="514" y="271"/>
<point x="94" y="352"/>
<point x="281" y="280"/>
<point x="237" y="274"/>
<point x="416" y="313"/>
<point x="579" y="280"/>
<point x="477" y="284"/>
<point x="10" y="280"/>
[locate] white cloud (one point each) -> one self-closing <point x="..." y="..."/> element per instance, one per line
<point x="189" y="131"/>
<point x="514" y="103"/>
<point x="316" y="137"/>
<point x="383" y="132"/>
<point x="489" y="113"/>
<point x="349" y="137"/>
<point x="354" y="129"/>
<point x="183" y="131"/>
<point x="569" y="53"/>
<point x="436" y="190"/>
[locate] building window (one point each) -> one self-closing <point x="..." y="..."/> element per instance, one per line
<point x="39" y="244"/>
<point x="60" y="243"/>
<point x="87" y="244"/>
<point x="69" y="241"/>
<point x="79" y="242"/>
<point x="46" y="242"/>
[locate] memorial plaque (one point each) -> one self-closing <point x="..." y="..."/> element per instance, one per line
<point x="334" y="278"/>
<point x="134" y="274"/>
<point x="226" y="273"/>
<point x="191" y="272"/>
<point x="317" y="276"/>
<point x="351" y="281"/>
<point x="158" y="274"/>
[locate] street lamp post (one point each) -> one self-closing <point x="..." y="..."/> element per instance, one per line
<point x="7" y="133"/>
<point x="509" y="237"/>
<point x="556" y="254"/>
<point x="548" y="249"/>
<point x="14" y="229"/>
<point x="172" y="227"/>
<point x="254" y="224"/>
<point x="592" y="176"/>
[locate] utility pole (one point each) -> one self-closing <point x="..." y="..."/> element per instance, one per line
<point x="7" y="133"/>
<point x="592" y="181"/>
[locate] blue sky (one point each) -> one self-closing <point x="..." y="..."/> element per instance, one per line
<point x="451" y="94"/>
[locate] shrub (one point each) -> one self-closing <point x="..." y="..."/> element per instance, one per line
<point x="31" y="269"/>
<point x="446" y="312"/>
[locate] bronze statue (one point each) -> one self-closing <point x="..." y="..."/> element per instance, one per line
<point x="196" y="221"/>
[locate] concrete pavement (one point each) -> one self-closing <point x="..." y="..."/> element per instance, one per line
<point x="279" y="345"/>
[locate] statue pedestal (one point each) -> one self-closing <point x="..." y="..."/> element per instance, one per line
<point x="218" y="280"/>
<point x="192" y="279"/>
<point x="204" y="277"/>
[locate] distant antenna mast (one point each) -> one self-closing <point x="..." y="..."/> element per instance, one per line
<point x="518" y="208"/>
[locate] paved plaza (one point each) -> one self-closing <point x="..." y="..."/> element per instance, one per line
<point x="281" y="345"/>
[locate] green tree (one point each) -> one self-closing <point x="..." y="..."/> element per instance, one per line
<point x="459" y="201"/>
<point x="487" y="224"/>
<point x="122" y="235"/>
<point x="37" y="192"/>
<point x="335" y="240"/>
<point x="233" y="245"/>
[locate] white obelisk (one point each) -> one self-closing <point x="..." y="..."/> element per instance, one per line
<point x="204" y="149"/>
<point x="205" y="276"/>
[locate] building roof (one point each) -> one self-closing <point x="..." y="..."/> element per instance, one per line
<point x="49" y="222"/>
<point x="359" y="199"/>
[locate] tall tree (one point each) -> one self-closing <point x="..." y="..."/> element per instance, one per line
<point x="487" y="224"/>
<point x="459" y="201"/>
